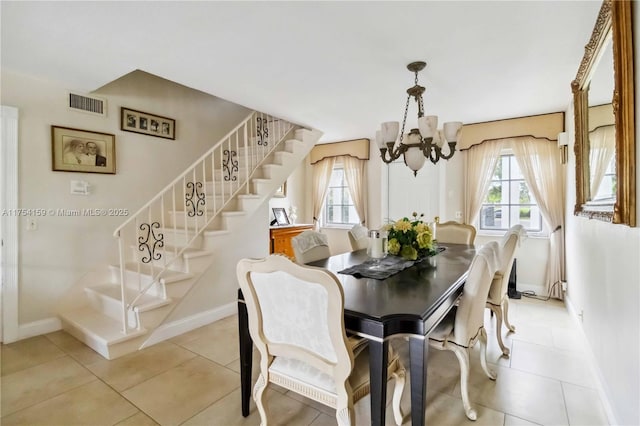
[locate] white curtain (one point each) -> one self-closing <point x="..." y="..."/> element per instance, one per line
<point x="354" y="174"/>
<point x="481" y="161"/>
<point x="602" y="146"/>
<point x="540" y="165"/>
<point x="321" y="177"/>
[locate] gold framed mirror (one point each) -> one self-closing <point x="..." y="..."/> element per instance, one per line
<point x="614" y="25"/>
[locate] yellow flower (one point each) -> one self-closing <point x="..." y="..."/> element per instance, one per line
<point x="422" y="227"/>
<point x="402" y="225"/>
<point x="424" y="240"/>
<point x="393" y="246"/>
<point x="409" y="253"/>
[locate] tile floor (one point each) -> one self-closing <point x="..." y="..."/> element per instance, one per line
<point x="194" y="379"/>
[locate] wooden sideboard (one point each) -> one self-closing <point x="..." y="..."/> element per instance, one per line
<point x="280" y="237"/>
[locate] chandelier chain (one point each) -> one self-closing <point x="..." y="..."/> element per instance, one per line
<point x="404" y="120"/>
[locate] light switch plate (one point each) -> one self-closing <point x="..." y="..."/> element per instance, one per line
<point x="79" y="187"/>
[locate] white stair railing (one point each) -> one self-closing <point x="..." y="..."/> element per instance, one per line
<point x="187" y="206"/>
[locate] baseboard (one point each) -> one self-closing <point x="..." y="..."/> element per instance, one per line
<point x="184" y="325"/>
<point x="37" y="328"/>
<point x="591" y="359"/>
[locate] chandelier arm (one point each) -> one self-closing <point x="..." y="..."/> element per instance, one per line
<point x="452" y="150"/>
<point x="383" y="155"/>
<point x="435" y="154"/>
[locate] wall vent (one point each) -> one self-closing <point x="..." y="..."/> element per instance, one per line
<point x="92" y="105"/>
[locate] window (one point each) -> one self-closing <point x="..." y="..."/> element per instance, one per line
<point x="338" y="205"/>
<point x="607" y="188"/>
<point x="509" y="201"/>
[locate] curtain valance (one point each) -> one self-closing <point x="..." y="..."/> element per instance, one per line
<point x="545" y="126"/>
<point x="358" y="148"/>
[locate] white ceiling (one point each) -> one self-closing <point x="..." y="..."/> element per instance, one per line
<point x="336" y="66"/>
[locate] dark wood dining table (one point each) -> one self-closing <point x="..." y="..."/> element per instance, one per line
<point x="408" y="304"/>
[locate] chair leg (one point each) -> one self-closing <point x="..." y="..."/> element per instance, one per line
<point x="483" y="355"/>
<point x="259" y="398"/>
<point x="505" y="308"/>
<point x="498" y="311"/>
<point x="400" y="379"/>
<point x="345" y="415"/>
<point x="463" y="358"/>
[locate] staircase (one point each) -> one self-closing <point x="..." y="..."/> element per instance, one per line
<point x="166" y="246"/>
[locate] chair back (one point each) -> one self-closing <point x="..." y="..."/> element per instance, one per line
<point x="507" y="254"/>
<point x="470" y="311"/>
<point x="455" y="233"/>
<point x="358" y="237"/>
<point x="309" y="246"/>
<point x="296" y="312"/>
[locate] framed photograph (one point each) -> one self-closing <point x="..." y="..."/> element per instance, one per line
<point x="147" y="124"/>
<point x="281" y="216"/>
<point x="85" y="151"/>
<point x="281" y="192"/>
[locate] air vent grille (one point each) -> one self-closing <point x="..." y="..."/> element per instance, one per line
<point x="87" y="104"/>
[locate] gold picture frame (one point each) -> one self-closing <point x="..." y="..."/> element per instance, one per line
<point x="83" y="151"/>
<point x="614" y="23"/>
<point x="147" y="124"/>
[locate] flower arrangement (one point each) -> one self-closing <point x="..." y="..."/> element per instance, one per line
<point x="410" y="238"/>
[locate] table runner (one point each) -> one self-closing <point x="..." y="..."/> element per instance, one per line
<point x="388" y="266"/>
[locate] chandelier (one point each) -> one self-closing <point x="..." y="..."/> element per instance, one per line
<point x="422" y="143"/>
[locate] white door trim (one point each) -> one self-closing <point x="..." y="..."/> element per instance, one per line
<point x="9" y="223"/>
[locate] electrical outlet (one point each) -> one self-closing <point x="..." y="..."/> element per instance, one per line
<point x="458" y="215"/>
<point x="564" y="285"/>
<point x="581" y="315"/>
<point x="32" y="224"/>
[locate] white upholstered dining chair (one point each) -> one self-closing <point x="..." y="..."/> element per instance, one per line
<point x="309" y="246"/>
<point x="498" y="300"/>
<point x="296" y="320"/>
<point x="358" y="237"/>
<point x="455" y="233"/>
<point x="463" y="326"/>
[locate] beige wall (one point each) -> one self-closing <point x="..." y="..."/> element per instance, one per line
<point x="62" y="249"/>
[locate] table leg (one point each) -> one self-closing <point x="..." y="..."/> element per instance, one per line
<point x="418" y="354"/>
<point x="246" y="357"/>
<point x="378" y="360"/>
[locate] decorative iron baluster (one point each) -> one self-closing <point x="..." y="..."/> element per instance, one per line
<point x="199" y="201"/>
<point x="145" y="245"/>
<point x="263" y="131"/>
<point x="230" y="165"/>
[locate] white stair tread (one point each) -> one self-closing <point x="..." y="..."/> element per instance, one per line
<point x="98" y="326"/>
<point x="190" y="253"/>
<point x="168" y="275"/>
<point x="146" y="302"/>
<point x="234" y="213"/>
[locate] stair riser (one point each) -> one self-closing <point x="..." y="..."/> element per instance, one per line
<point x="248" y="204"/>
<point x="195" y="265"/>
<point x="136" y="281"/>
<point x="179" y="238"/>
<point x="178" y="289"/>
<point x="111" y="307"/>
<point x="181" y="219"/>
<point x="177" y="265"/>
<point x="222" y="189"/>
<point x="182" y="264"/>
<point x="86" y="338"/>
<point x="222" y="221"/>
